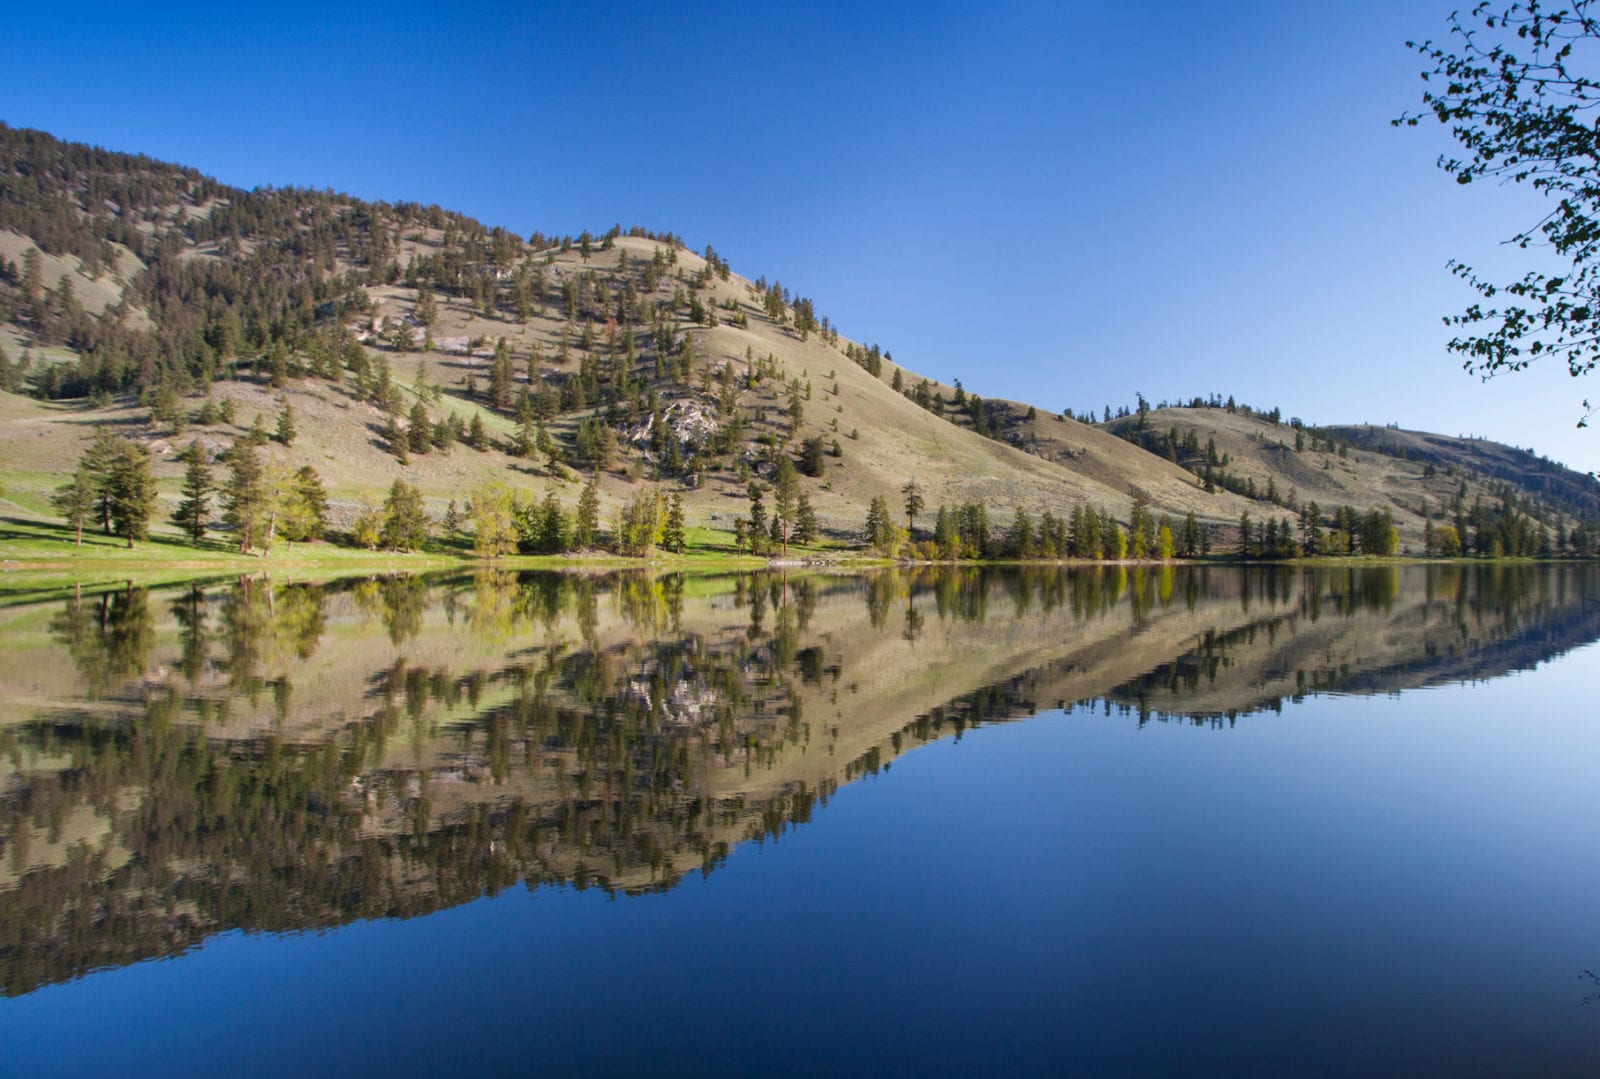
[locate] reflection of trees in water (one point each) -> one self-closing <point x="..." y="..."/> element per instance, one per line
<point x="568" y="754"/>
<point x="1469" y="622"/>
<point x="108" y="636"/>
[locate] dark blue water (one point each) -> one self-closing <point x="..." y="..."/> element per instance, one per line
<point x="1348" y="884"/>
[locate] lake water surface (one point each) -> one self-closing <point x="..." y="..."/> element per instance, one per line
<point x="1184" y="820"/>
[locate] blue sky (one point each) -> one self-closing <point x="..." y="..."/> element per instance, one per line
<point x="1058" y="203"/>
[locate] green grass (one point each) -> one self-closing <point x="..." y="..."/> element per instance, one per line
<point x="40" y="555"/>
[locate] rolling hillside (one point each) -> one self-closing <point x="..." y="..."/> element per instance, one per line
<point x="148" y="297"/>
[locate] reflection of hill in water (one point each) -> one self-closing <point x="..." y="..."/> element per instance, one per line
<point x="285" y="757"/>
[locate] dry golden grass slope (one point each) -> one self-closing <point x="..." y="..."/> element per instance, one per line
<point x="885" y="438"/>
<point x="1433" y="475"/>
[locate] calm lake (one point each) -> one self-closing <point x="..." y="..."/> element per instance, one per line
<point x="1182" y="820"/>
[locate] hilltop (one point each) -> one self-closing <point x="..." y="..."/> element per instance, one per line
<point x="170" y="307"/>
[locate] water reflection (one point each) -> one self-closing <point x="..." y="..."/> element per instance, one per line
<point x="265" y="756"/>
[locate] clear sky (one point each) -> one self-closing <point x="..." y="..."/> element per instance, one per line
<point x="1060" y="203"/>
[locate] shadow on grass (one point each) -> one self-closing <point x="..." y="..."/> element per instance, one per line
<point x="26" y="530"/>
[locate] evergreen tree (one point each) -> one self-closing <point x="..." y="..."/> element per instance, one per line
<point x="672" y="537"/>
<point x="1115" y="540"/>
<point x="286" y="431"/>
<point x="805" y="521"/>
<point x="525" y="442"/>
<point x="245" y="502"/>
<point x="945" y="536"/>
<point x="97" y="461"/>
<point x="1021" y="540"/>
<point x="914" y="503"/>
<point x="502" y="376"/>
<point x="278" y="365"/>
<point x="419" y="432"/>
<point x="639" y="524"/>
<point x="586" y="523"/>
<point x="303" y="506"/>
<point x="758" y="520"/>
<point x="195" y="508"/>
<point x="552" y="526"/>
<point x="76" y="500"/>
<point x="1189" y="543"/>
<point x="427" y="309"/>
<point x="405" y="523"/>
<point x="477" y="437"/>
<point x="166" y="409"/>
<point x="786" y="488"/>
<point x="131" y="492"/>
<point x="880" y="526"/>
<point x="811" y="454"/>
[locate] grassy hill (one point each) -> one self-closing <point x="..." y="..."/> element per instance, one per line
<point x="123" y="279"/>
<point x="1285" y="466"/>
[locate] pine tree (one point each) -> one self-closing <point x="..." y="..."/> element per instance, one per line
<point x="805" y="521"/>
<point x="552" y="526"/>
<point x="419" y="432"/>
<point x="586" y="524"/>
<point x="914" y="504"/>
<point x="131" y="491"/>
<point x="786" y="488"/>
<point x="244" y="502"/>
<point x="672" y="535"/>
<point x="811" y="454"/>
<point x="304" y="506"/>
<point x="477" y="437"/>
<point x="166" y="408"/>
<point x="286" y="431"/>
<point x="525" y="442"/>
<point x="451" y="523"/>
<point x="501" y="376"/>
<point x="427" y="310"/>
<point x="1189" y="545"/>
<point x="758" y="520"/>
<point x="278" y="365"/>
<point x="405" y="523"/>
<point x="97" y="461"/>
<point x="1021" y="540"/>
<point x="945" y="536"/>
<point x="76" y="500"/>
<point x="880" y="529"/>
<point x="195" y="508"/>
